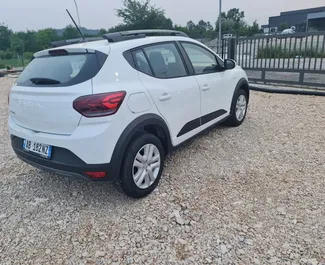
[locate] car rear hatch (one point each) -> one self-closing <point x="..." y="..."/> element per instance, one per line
<point x="42" y="98"/>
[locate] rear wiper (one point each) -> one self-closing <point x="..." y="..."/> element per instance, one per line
<point x="44" y="81"/>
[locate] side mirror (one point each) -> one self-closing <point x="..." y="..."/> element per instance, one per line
<point x="229" y="64"/>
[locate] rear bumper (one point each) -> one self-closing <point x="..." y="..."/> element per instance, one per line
<point x="63" y="162"/>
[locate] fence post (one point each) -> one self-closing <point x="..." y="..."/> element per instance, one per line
<point x="231" y="48"/>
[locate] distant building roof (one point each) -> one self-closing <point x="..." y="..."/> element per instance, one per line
<point x="307" y="10"/>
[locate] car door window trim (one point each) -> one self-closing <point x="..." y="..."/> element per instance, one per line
<point x="142" y="47"/>
<point x="221" y="69"/>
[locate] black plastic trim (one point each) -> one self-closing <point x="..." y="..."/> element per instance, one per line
<point x="239" y="85"/>
<point x="193" y="124"/>
<point x="63" y="161"/>
<point x="187" y="61"/>
<point x="129" y="58"/>
<point x="138" y="34"/>
<point x="190" y="126"/>
<point x="131" y="131"/>
<point x="211" y="116"/>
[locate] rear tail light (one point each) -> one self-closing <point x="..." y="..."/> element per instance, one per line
<point x="99" y="105"/>
<point x="96" y="175"/>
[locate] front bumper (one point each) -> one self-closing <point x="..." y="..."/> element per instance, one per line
<point x="63" y="162"/>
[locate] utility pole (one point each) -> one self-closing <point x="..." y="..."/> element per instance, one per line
<point x="78" y="13"/>
<point x="220" y="41"/>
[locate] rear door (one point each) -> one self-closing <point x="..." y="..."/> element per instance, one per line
<point x="176" y="95"/>
<point x="42" y="98"/>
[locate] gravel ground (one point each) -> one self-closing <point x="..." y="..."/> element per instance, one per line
<point x="247" y="195"/>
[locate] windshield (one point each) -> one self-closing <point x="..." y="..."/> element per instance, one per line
<point x="63" y="70"/>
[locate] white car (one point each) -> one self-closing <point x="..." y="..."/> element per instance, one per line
<point x="113" y="108"/>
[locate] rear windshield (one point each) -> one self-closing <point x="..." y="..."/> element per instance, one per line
<point x="63" y="70"/>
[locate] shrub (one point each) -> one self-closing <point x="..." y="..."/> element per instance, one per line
<point x="5" y="55"/>
<point x="279" y="52"/>
<point x="2" y="66"/>
<point x="28" y="55"/>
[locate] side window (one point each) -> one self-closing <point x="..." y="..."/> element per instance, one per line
<point x="141" y="62"/>
<point x="202" y="60"/>
<point x="165" y="61"/>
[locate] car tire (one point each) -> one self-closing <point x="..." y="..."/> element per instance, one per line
<point x="142" y="166"/>
<point x="239" y="105"/>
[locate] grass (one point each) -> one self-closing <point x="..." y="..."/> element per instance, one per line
<point x="12" y="62"/>
<point x="279" y="52"/>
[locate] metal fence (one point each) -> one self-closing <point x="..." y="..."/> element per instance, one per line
<point x="297" y="59"/>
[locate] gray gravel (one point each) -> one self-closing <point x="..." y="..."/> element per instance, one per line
<point x="247" y="195"/>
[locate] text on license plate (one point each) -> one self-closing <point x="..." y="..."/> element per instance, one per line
<point x="38" y="148"/>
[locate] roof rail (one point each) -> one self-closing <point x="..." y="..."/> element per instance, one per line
<point x="121" y="36"/>
<point x="138" y="34"/>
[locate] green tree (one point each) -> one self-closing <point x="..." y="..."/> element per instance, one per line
<point x="235" y="14"/>
<point x="209" y="27"/>
<point x="201" y="26"/>
<point x="102" y="31"/>
<point x="30" y="41"/>
<point x="5" y="36"/>
<point x="254" y="29"/>
<point x="119" y="27"/>
<point x="227" y="25"/>
<point x="44" y="37"/>
<point x="232" y="22"/>
<point x="143" y="15"/>
<point x="190" y="26"/>
<point x="70" y="32"/>
<point x="17" y="44"/>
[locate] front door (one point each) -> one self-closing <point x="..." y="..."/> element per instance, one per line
<point x="215" y="84"/>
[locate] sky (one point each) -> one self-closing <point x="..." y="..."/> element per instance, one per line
<point x="95" y="14"/>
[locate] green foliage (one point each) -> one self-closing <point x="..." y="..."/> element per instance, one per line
<point x="279" y="52"/>
<point x="70" y="32"/>
<point x="28" y="55"/>
<point x="143" y="15"/>
<point x="5" y="35"/>
<point x="254" y="29"/>
<point x="5" y="55"/>
<point x="232" y="22"/>
<point x="44" y="37"/>
<point x="102" y="31"/>
<point x="12" y="62"/>
<point x="234" y="14"/>
<point x="2" y="66"/>
<point x="135" y="14"/>
<point x="17" y="45"/>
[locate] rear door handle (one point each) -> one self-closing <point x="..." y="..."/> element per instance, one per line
<point x="205" y="87"/>
<point x="165" y="96"/>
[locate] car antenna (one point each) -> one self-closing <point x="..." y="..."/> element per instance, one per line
<point x="74" y="22"/>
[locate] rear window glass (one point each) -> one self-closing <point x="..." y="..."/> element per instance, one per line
<point x="63" y="70"/>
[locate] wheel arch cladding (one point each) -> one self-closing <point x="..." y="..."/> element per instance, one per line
<point x="147" y="123"/>
<point x="242" y="84"/>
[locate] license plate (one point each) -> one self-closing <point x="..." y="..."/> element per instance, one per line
<point x="38" y="148"/>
